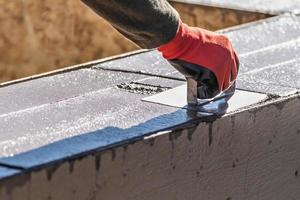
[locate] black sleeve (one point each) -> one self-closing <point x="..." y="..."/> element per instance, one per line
<point x="148" y="23"/>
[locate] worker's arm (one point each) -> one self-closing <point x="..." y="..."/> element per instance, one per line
<point x="205" y="56"/>
<point x="148" y="23"/>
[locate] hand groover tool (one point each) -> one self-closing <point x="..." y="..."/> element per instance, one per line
<point x="185" y="97"/>
<point x="216" y="105"/>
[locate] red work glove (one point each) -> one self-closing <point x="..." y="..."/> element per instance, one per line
<point x="207" y="57"/>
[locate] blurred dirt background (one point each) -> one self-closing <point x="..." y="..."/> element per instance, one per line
<point x="39" y="36"/>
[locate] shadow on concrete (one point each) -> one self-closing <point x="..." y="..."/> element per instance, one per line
<point x="108" y="137"/>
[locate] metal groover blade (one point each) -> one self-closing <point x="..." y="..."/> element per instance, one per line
<point x="228" y="100"/>
<point x="216" y="105"/>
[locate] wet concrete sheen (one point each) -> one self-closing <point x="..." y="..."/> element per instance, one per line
<point x="61" y="116"/>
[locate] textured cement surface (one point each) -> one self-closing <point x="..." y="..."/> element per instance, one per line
<point x="246" y="155"/>
<point x="264" y="6"/>
<point x="83" y="124"/>
<point x="74" y="100"/>
<point x="150" y="62"/>
<point x="56" y="117"/>
<point x="53" y="89"/>
<point x="269" y="56"/>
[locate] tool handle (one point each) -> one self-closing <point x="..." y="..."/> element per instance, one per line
<point x="199" y="78"/>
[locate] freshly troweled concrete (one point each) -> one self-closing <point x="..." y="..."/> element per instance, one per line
<point x="246" y="155"/>
<point x="86" y="134"/>
<point x="266" y="46"/>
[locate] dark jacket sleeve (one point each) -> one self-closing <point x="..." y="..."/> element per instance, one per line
<point x="148" y="23"/>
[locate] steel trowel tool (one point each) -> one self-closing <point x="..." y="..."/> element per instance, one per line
<point x="185" y="97"/>
<point x="216" y="105"/>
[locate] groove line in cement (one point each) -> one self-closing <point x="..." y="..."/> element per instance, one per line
<point x="139" y="73"/>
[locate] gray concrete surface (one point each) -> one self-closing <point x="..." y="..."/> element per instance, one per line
<point x="37" y="113"/>
<point x="53" y="89"/>
<point x="77" y="126"/>
<point x="76" y="115"/>
<point x="267" y="46"/>
<point x="244" y="155"/>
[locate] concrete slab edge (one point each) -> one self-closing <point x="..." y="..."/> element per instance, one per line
<point x="73" y="68"/>
<point x="271" y="101"/>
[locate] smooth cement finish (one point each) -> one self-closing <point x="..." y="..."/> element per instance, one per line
<point x="90" y="124"/>
<point x="176" y="97"/>
<point x="88" y="100"/>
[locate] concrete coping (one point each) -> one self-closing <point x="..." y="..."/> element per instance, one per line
<point x="93" y="113"/>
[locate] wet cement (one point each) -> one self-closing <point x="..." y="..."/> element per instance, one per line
<point x="75" y="126"/>
<point x="268" y="51"/>
<point x="65" y="115"/>
<point x="53" y="89"/>
<point x="145" y="63"/>
<point x="142" y="88"/>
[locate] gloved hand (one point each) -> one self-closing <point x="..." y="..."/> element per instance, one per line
<point x="207" y="57"/>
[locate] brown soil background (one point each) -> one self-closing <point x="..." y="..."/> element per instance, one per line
<point x="39" y="36"/>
